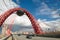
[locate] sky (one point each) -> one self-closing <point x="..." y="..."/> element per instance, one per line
<point x="43" y="9"/>
<point x="47" y="13"/>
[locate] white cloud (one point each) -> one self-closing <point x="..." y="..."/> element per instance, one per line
<point x="55" y="14"/>
<point x="18" y="1"/>
<point x="6" y="5"/>
<point x="52" y="25"/>
<point x="44" y="26"/>
<point x="19" y="23"/>
<point x="25" y="22"/>
<point x="22" y="20"/>
<point x="13" y="20"/>
<point x="45" y="10"/>
<point x="36" y="2"/>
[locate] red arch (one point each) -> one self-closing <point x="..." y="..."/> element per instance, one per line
<point x="34" y="23"/>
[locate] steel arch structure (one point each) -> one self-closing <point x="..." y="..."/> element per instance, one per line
<point x="35" y="24"/>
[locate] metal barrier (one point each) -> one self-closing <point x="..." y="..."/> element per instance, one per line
<point x="5" y="38"/>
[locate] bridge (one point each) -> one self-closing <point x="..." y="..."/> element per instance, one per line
<point x="19" y="36"/>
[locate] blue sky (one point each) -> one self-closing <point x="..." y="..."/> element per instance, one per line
<point x="41" y="9"/>
<point x="45" y="11"/>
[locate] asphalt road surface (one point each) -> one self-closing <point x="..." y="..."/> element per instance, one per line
<point x="23" y="37"/>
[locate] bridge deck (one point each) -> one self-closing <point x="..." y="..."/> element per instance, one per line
<point x="23" y="37"/>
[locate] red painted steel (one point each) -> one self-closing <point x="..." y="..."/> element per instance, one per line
<point x="35" y="24"/>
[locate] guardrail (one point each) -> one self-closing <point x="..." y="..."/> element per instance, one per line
<point x="29" y="35"/>
<point x="5" y="38"/>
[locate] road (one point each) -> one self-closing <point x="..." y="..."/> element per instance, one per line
<point x="23" y="37"/>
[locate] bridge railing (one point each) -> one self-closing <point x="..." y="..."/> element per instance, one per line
<point x="5" y="38"/>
